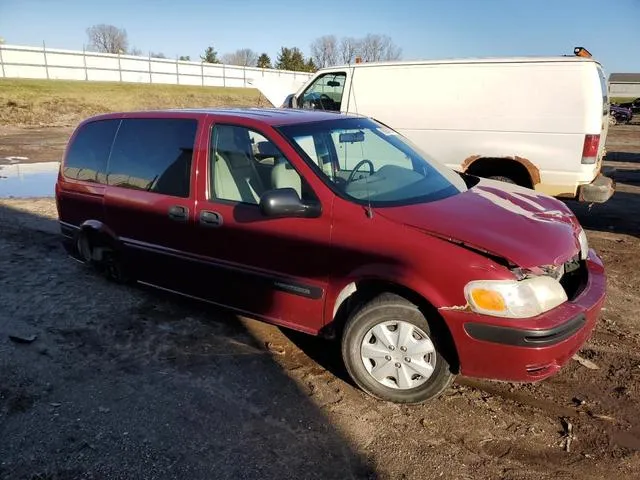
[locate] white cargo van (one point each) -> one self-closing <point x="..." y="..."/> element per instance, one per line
<point x="540" y="122"/>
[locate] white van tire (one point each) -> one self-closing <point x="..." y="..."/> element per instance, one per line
<point x="502" y="178"/>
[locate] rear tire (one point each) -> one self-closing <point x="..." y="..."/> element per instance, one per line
<point x="115" y="268"/>
<point x="392" y="352"/>
<point x="84" y="247"/>
<point x="502" y="178"/>
<point x="102" y="259"/>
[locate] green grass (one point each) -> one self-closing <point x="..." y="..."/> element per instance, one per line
<point x="65" y="103"/>
<point x="621" y="99"/>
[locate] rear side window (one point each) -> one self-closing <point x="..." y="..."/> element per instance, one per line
<point x="87" y="156"/>
<point x="153" y="154"/>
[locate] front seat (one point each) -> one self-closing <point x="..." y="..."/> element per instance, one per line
<point x="234" y="176"/>
<point x="283" y="175"/>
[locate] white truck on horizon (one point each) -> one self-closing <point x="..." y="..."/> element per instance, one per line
<point x="539" y="122"/>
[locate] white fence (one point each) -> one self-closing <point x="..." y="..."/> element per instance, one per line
<point x="47" y="63"/>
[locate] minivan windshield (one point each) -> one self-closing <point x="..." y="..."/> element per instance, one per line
<point x="369" y="163"/>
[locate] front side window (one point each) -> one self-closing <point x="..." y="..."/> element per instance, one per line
<point x="88" y="154"/>
<point x="325" y="93"/>
<point x="153" y="154"/>
<point x="367" y="162"/>
<point x="243" y="164"/>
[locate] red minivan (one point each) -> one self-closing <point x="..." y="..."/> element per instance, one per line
<point x="335" y="225"/>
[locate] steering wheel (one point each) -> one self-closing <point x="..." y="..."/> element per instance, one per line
<point x="358" y="165"/>
<point x="323" y="102"/>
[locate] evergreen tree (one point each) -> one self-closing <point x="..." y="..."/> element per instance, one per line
<point x="210" y="56"/>
<point x="264" y="61"/>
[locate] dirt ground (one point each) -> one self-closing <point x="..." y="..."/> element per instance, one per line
<point x="36" y="144"/>
<point x="124" y="382"/>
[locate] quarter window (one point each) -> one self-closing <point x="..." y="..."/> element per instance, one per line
<point x="153" y="155"/>
<point x="88" y="154"/>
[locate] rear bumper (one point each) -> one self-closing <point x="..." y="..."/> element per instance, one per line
<point x="598" y="191"/>
<point x="532" y="349"/>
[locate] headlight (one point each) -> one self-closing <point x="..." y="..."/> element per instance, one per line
<point x="513" y="298"/>
<point x="584" y="245"/>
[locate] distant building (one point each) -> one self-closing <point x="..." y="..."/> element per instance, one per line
<point x="624" y="85"/>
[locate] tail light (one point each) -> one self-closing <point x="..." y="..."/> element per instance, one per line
<point x="590" y="149"/>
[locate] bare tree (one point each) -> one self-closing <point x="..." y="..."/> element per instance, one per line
<point x="349" y="48"/>
<point x="244" y="57"/>
<point x="324" y="51"/>
<point x="375" y="48"/>
<point x="136" y="52"/>
<point x="107" y="38"/>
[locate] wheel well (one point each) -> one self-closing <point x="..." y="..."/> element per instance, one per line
<point x="505" y="167"/>
<point x="367" y="290"/>
<point x="98" y="242"/>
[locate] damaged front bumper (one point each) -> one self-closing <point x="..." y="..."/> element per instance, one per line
<point x="530" y="349"/>
<point x="598" y="191"/>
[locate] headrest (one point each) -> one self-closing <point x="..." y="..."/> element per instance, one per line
<point x="266" y="149"/>
<point x="226" y="139"/>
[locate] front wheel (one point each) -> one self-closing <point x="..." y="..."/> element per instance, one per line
<point x="391" y="352"/>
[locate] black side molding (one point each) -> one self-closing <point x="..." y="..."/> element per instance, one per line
<point x="526" y="338"/>
<point x="279" y="283"/>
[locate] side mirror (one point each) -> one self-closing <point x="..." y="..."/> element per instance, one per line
<point x="285" y="202"/>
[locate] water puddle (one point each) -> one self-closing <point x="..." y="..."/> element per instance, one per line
<point x="23" y="180"/>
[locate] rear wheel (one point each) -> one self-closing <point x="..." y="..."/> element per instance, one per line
<point x="104" y="259"/>
<point x="115" y="269"/>
<point x="502" y="178"/>
<point x="392" y="352"/>
<point x="503" y="170"/>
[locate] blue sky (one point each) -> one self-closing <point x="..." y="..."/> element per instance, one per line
<point x="424" y="29"/>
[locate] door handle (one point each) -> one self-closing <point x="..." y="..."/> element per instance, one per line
<point x="178" y="213"/>
<point x="210" y="219"/>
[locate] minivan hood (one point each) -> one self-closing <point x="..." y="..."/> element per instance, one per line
<point x="520" y="225"/>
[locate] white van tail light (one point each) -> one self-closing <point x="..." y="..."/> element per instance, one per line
<point x="590" y="149"/>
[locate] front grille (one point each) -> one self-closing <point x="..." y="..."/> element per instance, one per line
<point x="575" y="277"/>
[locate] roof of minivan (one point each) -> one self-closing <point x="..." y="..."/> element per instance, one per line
<point x="270" y="116"/>
<point x="529" y="59"/>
